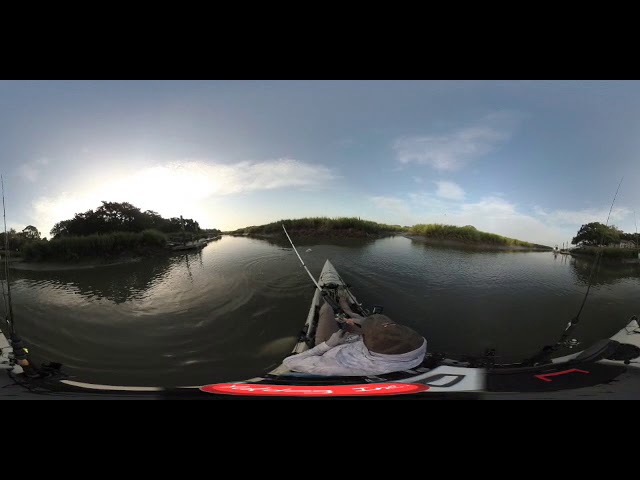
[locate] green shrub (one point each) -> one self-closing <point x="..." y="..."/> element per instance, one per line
<point x="71" y="248"/>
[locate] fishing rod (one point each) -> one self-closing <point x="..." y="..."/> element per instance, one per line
<point x="597" y="259"/>
<point x="637" y="246"/>
<point x="20" y="352"/>
<point x="336" y="307"/>
<point x="548" y="350"/>
<point x="6" y="266"/>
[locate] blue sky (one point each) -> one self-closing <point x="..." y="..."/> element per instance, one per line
<point x="533" y="160"/>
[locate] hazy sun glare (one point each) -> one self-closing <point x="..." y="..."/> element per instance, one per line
<point x="180" y="188"/>
<point x="170" y="190"/>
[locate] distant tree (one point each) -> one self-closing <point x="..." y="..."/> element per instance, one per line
<point x="31" y="233"/>
<point x="120" y="217"/>
<point x="12" y="238"/>
<point x="152" y="219"/>
<point x="595" y="233"/>
<point x="60" y="229"/>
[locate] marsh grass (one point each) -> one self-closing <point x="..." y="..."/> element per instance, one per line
<point x="323" y="225"/>
<point x="468" y="234"/>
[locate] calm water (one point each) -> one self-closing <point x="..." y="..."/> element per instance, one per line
<point x="232" y="311"/>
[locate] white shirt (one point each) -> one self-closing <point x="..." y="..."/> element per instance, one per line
<point x="352" y="359"/>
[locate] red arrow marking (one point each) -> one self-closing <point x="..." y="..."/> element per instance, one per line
<point x="545" y="379"/>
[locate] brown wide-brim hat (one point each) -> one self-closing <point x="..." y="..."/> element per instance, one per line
<point x="380" y="334"/>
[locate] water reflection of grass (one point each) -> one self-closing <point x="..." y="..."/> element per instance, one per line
<point x="308" y="240"/>
<point x="612" y="253"/>
<point x="118" y="283"/>
<point x="604" y="273"/>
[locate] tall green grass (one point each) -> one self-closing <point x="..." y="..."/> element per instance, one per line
<point x="322" y="225"/>
<point x="92" y="246"/>
<point x="468" y="234"/>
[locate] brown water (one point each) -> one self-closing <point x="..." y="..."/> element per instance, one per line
<point x="233" y="310"/>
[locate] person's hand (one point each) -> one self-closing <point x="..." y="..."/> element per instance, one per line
<point x="337" y="338"/>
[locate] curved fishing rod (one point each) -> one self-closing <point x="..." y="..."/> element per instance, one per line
<point x="597" y="259"/>
<point x="548" y="350"/>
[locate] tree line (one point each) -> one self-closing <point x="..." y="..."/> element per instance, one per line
<point x="17" y="239"/>
<point x="108" y="218"/>
<point x="113" y="217"/>
<point x="595" y="234"/>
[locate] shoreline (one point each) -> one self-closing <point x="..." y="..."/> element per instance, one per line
<point x="307" y="234"/>
<point x="605" y="259"/>
<point x="479" y="246"/>
<point x="320" y="234"/>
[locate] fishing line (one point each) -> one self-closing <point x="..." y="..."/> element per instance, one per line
<point x="597" y="259"/>
<point x="546" y="352"/>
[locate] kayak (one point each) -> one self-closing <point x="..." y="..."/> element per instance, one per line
<point x="585" y="369"/>
<point x="447" y="376"/>
<point x="588" y="373"/>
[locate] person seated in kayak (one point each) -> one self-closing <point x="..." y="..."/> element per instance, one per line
<point x="370" y="345"/>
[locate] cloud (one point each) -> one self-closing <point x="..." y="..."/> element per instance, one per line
<point x="450" y="190"/>
<point x="246" y="176"/>
<point x="451" y="151"/>
<point x="490" y="206"/>
<point x="178" y="188"/>
<point x="392" y="204"/>
<point x="489" y="214"/>
<point x="31" y="170"/>
<point x="580" y="217"/>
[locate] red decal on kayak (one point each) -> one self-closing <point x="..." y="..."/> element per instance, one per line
<point x="314" y="390"/>
<point x="545" y="379"/>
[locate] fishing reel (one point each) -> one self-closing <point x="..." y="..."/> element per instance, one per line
<point x="341" y="319"/>
<point x="574" y="342"/>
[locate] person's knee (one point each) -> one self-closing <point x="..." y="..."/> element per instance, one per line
<point x="326" y="308"/>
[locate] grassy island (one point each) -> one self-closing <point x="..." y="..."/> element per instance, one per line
<point x="323" y="227"/>
<point x="354" y="227"/>
<point x="469" y="236"/>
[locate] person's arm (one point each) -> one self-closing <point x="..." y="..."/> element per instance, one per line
<point x="313" y="361"/>
<point x="316" y="364"/>
<point x="317" y="350"/>
<point x="347" y="309"/>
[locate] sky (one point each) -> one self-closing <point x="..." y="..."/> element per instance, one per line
<point x="532" y="160"/>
